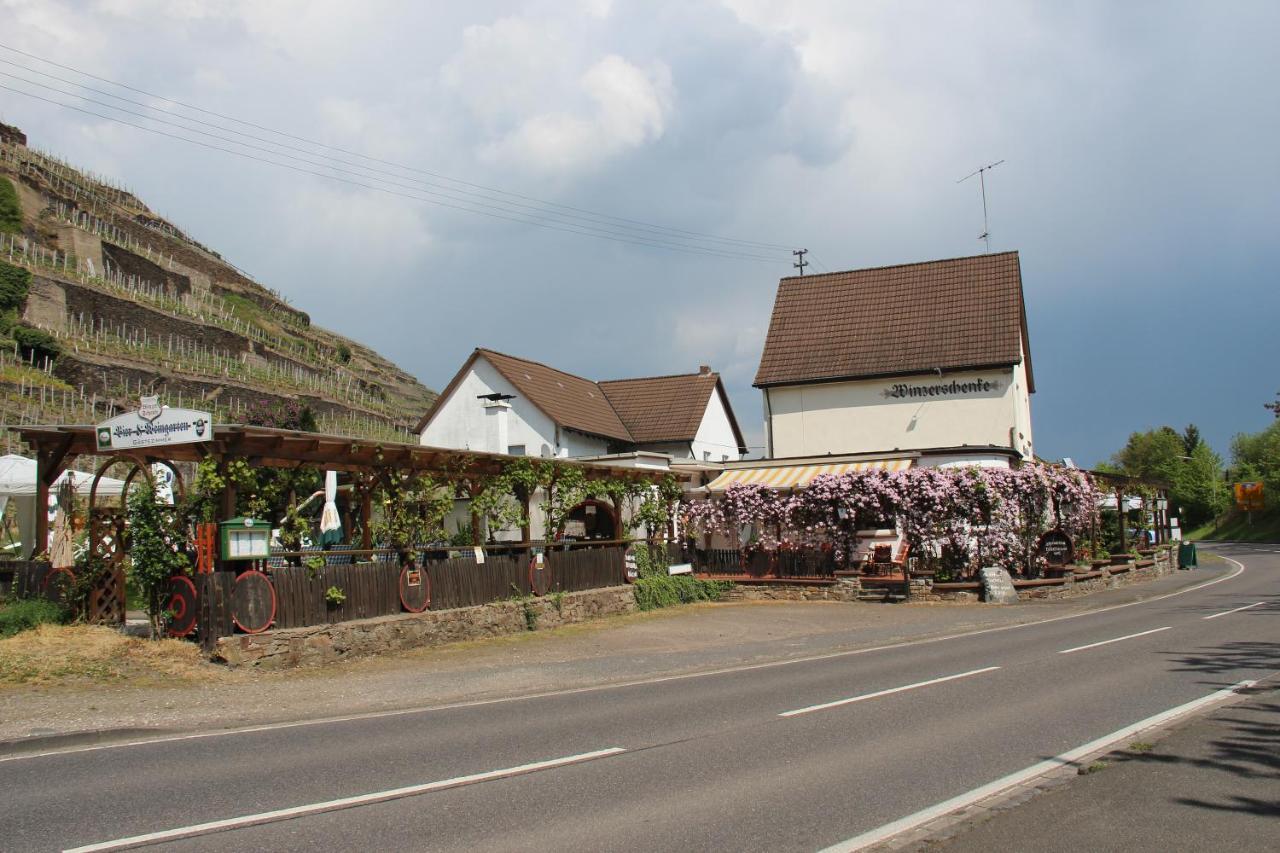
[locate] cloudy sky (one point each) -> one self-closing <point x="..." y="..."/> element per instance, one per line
<point x="1141" y="182"/>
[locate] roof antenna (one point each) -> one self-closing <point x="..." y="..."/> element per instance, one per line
<point x="985" y="236"/>
<point x="802" y="263"/>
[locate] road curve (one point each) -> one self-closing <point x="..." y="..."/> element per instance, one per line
<point x="796" y="756"/>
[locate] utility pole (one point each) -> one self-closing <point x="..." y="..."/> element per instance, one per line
<point x="802" y="263"/>
<point x="985" y="236"/>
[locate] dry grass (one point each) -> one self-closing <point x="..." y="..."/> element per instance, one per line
<point x="81" y="654"/>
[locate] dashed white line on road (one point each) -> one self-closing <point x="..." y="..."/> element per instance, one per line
<point x="883" y="833"/>
<point x="1114" y="640"/>
<point x="825" y="705"/>
<point x="344" y="803"/>
<point x="1237" y="610"/>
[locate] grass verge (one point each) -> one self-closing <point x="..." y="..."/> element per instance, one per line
<point x="87" y="654"/>
<point x="1264" y="527"/>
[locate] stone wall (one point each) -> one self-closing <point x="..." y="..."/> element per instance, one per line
<point x="324" y="643"/>
<point x="1162" y="562"/>
<point x="122" y="261"/>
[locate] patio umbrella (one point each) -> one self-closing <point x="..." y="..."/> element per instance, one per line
<point x="330" y="521"/>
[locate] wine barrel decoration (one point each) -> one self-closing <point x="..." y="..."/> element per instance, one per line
<point x="415" y="589"/>
<point x="253" y="602"/>
<point x="59" y="584"/>
<point x="184" y="612"/>
<point x="539" y="574"/>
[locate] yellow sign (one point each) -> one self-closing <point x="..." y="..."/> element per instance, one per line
<point x="1249" y="496"/>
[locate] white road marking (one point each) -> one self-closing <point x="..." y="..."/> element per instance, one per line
<point x="594" y="688"/>
<point x="825" y="705"/>
<point x="883" y="833"/>
<point x="1237" y="610"/>
<point x="343" y="803"/>
<point x="1114" y="640"/>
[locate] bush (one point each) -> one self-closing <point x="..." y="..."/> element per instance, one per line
<point x="666" y="591"/>
<point x="14" y="284"/>
<point x="36" y="342"/>
<point x="10" y="209"/>
<point x="26" y="613"/>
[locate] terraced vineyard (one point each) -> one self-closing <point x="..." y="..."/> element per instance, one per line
<point x="101" y="300"/>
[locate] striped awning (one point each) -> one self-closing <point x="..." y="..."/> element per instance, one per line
<point x="798" y="476"/>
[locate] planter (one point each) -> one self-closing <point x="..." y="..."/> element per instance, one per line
<point x="1098" y="564"/>
<point x="1120" y="559"/>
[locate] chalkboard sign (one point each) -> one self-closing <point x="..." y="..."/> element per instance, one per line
<point x="1056" y="548"/>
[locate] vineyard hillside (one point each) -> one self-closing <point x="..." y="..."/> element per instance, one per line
<point x="102" y="300"/>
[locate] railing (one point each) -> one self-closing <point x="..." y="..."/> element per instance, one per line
<point x="805" y="563"/>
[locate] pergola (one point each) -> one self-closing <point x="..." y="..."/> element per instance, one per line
<point x="57" y="447"/>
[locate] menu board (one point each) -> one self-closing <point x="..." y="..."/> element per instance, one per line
<point x="250" y="543"/>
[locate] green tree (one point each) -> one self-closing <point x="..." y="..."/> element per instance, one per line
<point x="155" y="555"/>
<point x="1194" y="478"/>
<point x="1256" y="456"/>
<point x="1191" y="438"/>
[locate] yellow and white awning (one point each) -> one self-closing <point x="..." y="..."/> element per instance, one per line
<point x="799" y="476"/>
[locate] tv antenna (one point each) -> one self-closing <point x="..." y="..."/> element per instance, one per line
<point x="802" y="263"/>
<point x="985" y="236"/>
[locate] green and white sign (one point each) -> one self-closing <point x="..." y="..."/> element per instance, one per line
<point x="154" y="425"/>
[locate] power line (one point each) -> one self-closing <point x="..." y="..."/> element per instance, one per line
<point x="446" y="193"/>
<point x="451" y="192"/>
<point x="624" y="222"/>
<point x="515" y="217"/>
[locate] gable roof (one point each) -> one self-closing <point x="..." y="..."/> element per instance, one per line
<point x="668" y="408"/>
<point x="637" y="411"/>
<point x="911" y="318"/>
<point x="569" y="400"/>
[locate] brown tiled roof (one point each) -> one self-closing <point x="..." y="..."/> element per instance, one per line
<point x="569" y="400"/>
<point x="652" y="409"/>
<point x="912" y="318"/>
<point x="667" y="408"/>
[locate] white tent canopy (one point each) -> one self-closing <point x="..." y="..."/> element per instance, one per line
<point x="18" y="483"/>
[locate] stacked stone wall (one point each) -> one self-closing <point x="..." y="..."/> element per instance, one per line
<point x="326" y="643"/>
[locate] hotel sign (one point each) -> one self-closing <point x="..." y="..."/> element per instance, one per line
<point x="954" y="388"/>
<point x="153" y="425"/>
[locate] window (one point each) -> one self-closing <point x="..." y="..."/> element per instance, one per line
<point x="515" y="450"/>
<point x="706" y="456"/>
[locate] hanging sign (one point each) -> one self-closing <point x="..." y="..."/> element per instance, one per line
<point x="1056" y="548"/>
<point x="154" y="425"/>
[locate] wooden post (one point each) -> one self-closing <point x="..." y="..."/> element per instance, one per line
<point x="366" y="517"/>
<point x="1120" y="514"/>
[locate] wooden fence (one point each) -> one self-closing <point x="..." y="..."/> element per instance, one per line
<point x="22" y="578"/>
<point x="372" y="588"/>
<point x="759" y="563"/>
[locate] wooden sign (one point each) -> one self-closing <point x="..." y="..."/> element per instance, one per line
<point x="1056" y="548"/>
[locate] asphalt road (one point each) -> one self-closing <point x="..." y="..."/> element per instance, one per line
<point x="763" y="757"/>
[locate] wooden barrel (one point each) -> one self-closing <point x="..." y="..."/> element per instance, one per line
<point x="59" y="584"/>
<point x="415" y="589"/>
<point x="539" y="574"/>
<point x="253" y="602"/>
<point x="182" y="606"/>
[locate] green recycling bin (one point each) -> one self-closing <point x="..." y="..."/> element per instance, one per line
<point x="1187" y="555"/>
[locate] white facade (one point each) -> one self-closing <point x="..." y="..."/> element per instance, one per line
<point x="989" y="408"/>
<point x="716" y="440"/>
<point x="466" y="422"/>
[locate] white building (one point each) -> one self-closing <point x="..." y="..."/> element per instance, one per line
<point x="930" y="357"/>
<point x="499" y="403"/>
<point x="503" y="404"/>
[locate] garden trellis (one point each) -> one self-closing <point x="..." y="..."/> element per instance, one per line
<point x="964" y="514"/>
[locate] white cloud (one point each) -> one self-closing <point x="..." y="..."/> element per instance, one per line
<point x="629" y="108"/>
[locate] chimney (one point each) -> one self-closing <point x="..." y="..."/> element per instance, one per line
<point x="704" y="369"/>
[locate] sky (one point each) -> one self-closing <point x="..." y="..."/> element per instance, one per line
<point x="1140" y="182"/>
